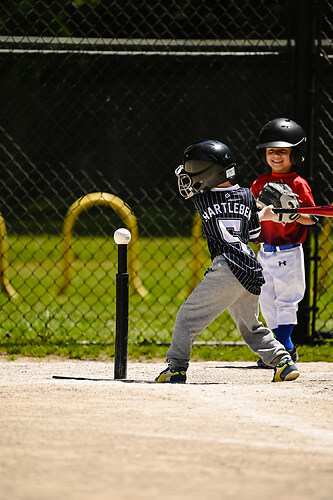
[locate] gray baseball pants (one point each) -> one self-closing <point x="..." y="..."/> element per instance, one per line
<point x="220" y="290"/>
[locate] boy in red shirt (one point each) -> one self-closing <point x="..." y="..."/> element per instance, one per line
<point x="282" y="147"/>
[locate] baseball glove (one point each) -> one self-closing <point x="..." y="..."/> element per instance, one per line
<point x="279" y="195"/>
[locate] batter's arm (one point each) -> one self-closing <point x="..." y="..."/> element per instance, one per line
<point x="266" y="213"/>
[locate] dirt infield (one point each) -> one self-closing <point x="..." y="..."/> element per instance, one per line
<point x="228" y="433"/>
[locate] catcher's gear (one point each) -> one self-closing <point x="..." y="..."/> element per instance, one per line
<point x="279" y="195"/>
<point x="206" y="164"/>
<point x="283" y="133"/>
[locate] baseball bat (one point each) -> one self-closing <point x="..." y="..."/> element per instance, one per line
<point x="322" y="211"/>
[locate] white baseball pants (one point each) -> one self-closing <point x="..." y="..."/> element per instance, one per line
<point x="285" y="285"/>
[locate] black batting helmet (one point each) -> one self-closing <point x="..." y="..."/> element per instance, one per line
<point x="206" y="164"/>
<point x="283" y="133"/>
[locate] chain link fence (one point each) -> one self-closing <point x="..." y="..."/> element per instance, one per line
<point x="100" y="99"/>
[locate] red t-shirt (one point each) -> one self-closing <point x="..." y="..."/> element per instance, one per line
<point x="277" y="233"/>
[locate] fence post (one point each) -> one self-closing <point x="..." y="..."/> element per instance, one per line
<point x="307" y="20"/>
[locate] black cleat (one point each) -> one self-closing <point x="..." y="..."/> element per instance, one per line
<point x="261" y="364"/>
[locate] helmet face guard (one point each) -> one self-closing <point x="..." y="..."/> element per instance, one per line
<point x="184" y="183"/>
<point x="283" y="133"/>
<point x="206" y="165"/>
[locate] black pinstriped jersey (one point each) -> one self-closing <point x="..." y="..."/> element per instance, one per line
<point x="229" y="220"/>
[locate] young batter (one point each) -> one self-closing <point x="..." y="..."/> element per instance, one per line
<point x="229" y="219"/>
<point x="282" y="147"/>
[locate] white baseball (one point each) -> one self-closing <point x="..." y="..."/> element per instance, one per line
<point x="122" y="236"/>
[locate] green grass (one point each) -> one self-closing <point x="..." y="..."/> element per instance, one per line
<point x="153" y="352"/>
<point x="319" y="352"/>
<point x="81" y="322"/>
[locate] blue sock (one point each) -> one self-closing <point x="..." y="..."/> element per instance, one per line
<point x="283" y="335"/>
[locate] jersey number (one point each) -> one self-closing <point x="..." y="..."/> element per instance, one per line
<point x="231" y="231"/>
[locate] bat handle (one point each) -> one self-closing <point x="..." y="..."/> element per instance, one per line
<point x="285" y="210"/>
